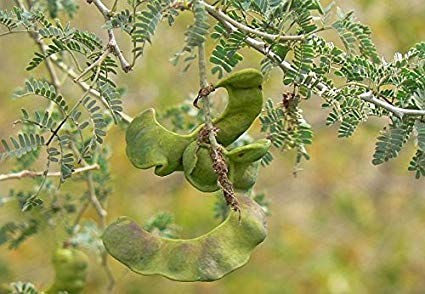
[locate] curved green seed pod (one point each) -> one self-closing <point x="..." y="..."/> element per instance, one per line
<point x="70" y="268"/>
<point x="149" y="144"/>
<point x="206" y="258"/>
<point x="198" y="168"/>
<point x="243" y="163"/>
<point x="244" y="105"/>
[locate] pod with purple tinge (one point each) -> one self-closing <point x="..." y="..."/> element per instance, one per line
<point x="206" y="258"/>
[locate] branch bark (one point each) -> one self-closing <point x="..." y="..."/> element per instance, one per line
<point x="86" y="87"/>
<point x="249" y="30"/>
<point x="33" y="174"/>
<point x="126" y="67"/>
<point x="216" y="154"/>
<point x="97" y="62"/>
<point x="287" y="67"/>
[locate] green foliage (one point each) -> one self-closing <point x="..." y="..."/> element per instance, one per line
<point x="8" y="19"/>
<point x="355" y="35"/>
<point x="417" y="165"/>
<point x="196" y="33"/>
<point x="182" y="117"/>
<point x="66" y="39"/>
<point x="15" y="233"/>
<point x="98" y="122"/>
<point x="21" y="146"/>
<point x="286" y="127"/>
<point x="162" y="224"/>
<point x="55" y="6"/>
<point x="23" y="288"/>
<point x="391" y="141"/>
<point x="420" y="134"/>
<point x="145" y="24"/>
<point x="225" y="55"/>
<point x="43" y="89"/>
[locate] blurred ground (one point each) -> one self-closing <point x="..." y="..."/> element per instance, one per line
<point x="341" y="226"/>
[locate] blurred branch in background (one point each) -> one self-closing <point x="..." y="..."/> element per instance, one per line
<point x="32" y="174"/>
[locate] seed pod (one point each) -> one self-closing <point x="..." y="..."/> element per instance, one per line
<point x="206" y="258"/>
<point x="149" y="144"/>
<point x="70" y="271"/>
<point x="243" y="163"/>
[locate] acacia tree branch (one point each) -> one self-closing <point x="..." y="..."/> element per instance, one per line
<point x="86" y="87"/>
<point x="97" y="62"/>
<point x="101" y="212"/>
<point x="37" y="39"/>
<point x="49" y="65"/>
<point x="216" y="154"/>
<point x="33" y="174"/>
<point x="95" y="201"/>
<point x="398" y="111"/>
<point x="12" y="32"/>
<point x="249" y="30"/>
<point x="321" y="87"/>
<point x="126" y="67"/>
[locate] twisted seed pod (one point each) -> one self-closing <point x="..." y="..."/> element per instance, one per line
<point x="206" y="258"/>
<point x="229" y="245"/>
<point x="70" y="271"/>
<point x="243" y="163"/>
<point x="149" y="144"/>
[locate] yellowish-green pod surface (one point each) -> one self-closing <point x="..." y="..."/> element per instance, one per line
<point x="206" y="258"/>
<point x="149" y="144"/>
<point x="243" y="163"/>
<point x="70" y="271"/>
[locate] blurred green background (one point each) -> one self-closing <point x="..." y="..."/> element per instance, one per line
<point x="341" y="226"/>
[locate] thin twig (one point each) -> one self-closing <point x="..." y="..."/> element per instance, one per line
<point x="80" y="214"/>
<point x="219" y="163"/>
<point x="398" y="111"/>
<point x="64" y="120"/>
<point x="321" y="87"/>
<point x="95" y="201"/>
<point x="102" y="7"/>
<point x="48" y="62"/>
<point x="126" y="67"/>
<point x="108" y="272"/>
<point x="101" y="212"/>
<point x="114" y="6"/>
<point x="244" y="28"/>
<point x="33" y="174"/>
<point x="12" y="32"/>
<point x="71" y="73"/>
<point x="97" y="62"/>
<point x="86" y="87"/>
